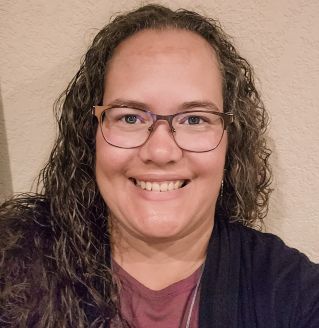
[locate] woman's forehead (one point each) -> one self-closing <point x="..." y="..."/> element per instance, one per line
<point x="150" y="44"/>
<point x="174" y="61"/>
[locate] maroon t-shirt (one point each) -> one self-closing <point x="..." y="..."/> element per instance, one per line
<point x="142" y="307"/>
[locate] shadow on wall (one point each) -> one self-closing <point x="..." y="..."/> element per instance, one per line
<point x="5" y="173"/>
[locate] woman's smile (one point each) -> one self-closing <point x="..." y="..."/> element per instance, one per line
<point x="160" y="189"/>
<point x="160" y="186"/>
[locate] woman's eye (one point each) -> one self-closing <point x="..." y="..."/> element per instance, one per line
<point x="192" y="120"/>
<point x="130" y="119"/>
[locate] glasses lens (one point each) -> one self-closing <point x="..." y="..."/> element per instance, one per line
<point x="198" y="131"/>
<point x="125" y="127"/>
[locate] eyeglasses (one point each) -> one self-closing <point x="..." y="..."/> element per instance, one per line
<point x="199" y="130"/>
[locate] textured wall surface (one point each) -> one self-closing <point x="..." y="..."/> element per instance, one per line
<point x="41" y="46"/>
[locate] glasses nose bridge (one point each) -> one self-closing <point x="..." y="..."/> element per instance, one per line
<point x="158" y="117"/>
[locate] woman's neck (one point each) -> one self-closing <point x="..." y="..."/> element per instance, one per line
<point x="159" y="263"/>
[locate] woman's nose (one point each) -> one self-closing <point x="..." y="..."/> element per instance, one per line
<point x="161" y="147"/>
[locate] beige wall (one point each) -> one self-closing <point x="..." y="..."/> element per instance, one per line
<point x="41" y="46"/>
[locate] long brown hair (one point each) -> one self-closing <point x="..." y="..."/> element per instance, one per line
<point x="69" y="239"/>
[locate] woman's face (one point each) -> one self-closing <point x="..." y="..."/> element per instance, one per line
<point x="162" y="70"/>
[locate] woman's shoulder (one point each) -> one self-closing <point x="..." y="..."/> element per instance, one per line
<point x="281" y="272"/>
<point x="24" y="224"/>
<point x="25" y="236"/>
<point x="268" y="257"/>
<point x="25" y="231"/>
<point x="267" y="246"/>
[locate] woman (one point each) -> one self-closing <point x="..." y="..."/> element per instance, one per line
<point x="159" y="170"/>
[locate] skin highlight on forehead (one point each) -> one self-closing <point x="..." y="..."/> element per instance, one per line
<point x="137" y="46"/>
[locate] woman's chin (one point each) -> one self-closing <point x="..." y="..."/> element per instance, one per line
<point x="158" y="229"/>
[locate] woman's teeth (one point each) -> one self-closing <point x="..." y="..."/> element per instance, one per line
<point x="160" y="186"/>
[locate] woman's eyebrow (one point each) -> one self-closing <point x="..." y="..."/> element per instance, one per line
<point x="129" y="103"/>
<point x="202" y="104"/>
<point x="209" y="105"/>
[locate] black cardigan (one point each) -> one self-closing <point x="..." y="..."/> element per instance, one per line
<point x="252" y="279"/>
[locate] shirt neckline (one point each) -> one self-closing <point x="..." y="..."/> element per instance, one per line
<point x="128" y="281"/>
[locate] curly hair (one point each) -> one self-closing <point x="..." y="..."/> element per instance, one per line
<point x="68" y="203"/>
